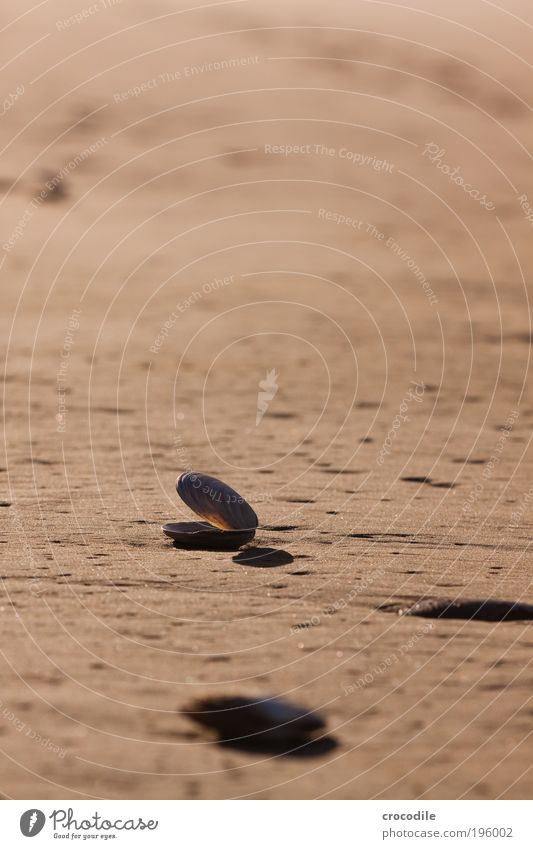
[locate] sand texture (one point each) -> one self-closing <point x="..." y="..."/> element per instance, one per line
<point x="286" y="244"/>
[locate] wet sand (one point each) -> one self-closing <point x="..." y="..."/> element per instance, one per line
<point x="192" y="198"/>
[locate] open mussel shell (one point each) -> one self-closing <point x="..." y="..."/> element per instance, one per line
<point x="267" y="720"/>
<point x="203" y="535"/>
<point x="216" y="502"/>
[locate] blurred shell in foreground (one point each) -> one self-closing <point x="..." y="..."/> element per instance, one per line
<point x="257" y="720"/>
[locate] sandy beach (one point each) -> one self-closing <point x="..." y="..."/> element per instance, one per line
<point x="288" y="245"/>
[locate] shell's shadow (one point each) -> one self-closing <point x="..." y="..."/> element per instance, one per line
<point x="264" y="558"/>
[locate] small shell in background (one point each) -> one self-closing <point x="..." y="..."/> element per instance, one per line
<point x="484" y="609"/>
<point x="481" y="609"/>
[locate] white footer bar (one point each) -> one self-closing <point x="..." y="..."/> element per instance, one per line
<point x="267" y="824"/>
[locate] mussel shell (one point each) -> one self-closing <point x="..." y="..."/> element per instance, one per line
<point x="203" y="535"/>
<point x="236" y="718"/>
<point x="216" y="502"/>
